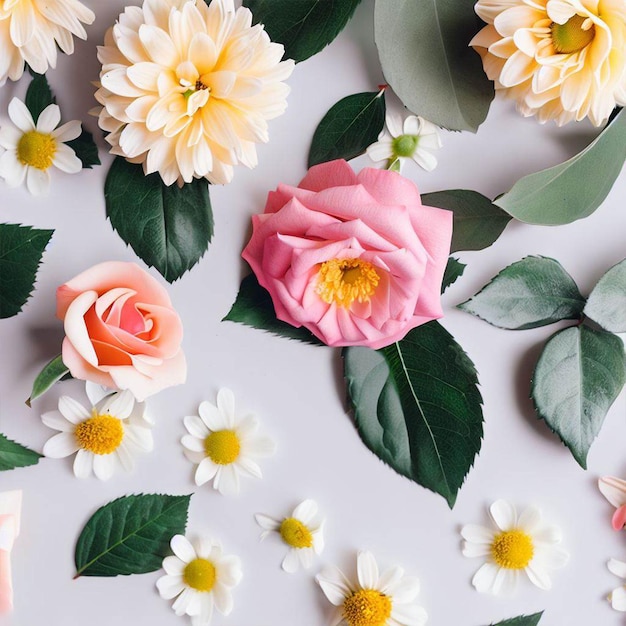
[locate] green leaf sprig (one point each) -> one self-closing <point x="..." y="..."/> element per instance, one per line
<point x="52" y="372"/>
<point x="522" y="620"/>
<point x="13" y="455"/>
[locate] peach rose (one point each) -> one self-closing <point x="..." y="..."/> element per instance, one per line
<point x="356" y="259"/>
<point x="121" y="330"/>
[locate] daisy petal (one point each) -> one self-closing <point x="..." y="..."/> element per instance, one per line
<point x="409" y="615"/>
<point x="266" y="522"/>
<point x="83" y="464"/>
<point x="291" y="562"/>
<point x="305" y="511"/>
<point x="503" y="514"/>
<point x="617" y="567"/>
<point x="367" y="570"/>
<point x="61" y="445"/>
<point x="334" y="585"/>
<point x="485" y="577"/>
<point x="170" y="586"/>
<point x="182" y="548"/>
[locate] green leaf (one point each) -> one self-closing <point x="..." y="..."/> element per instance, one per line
<point x="21" y="249"/>
<point x="578" y="376"/>
<point x="168" y="227"/>
<point x="417" y="407"/>
<point x="253" y="307"/>
<point x="52" y="373"/>
<point x="130" y="535"/>
<point x="423" y="49"/>
<point x="607" y="303"/>
<point x="14" y="455"/>
<point x="533" y="292"/>
<point x="86" y="150"/>
<point x="38" y="95"/>
<point x="522" y="620"/>
<point x="477" y="221"/>
<point x="454" y="270"/>
<point x="574" y="189"/>
<point x="304" y="27"/>
<point x="349" y="127"/>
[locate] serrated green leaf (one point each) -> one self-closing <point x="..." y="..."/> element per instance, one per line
<point x="454" y="270"/>
<point x="21" y="249"/>
<point x="253" y="307"/>
<point x="130" y="535"/>
<point x="417" y="407"/>
<point x="477" y="221"/>
<point x="86" y="150"/>
<point x="574" y="189"/>
<point x="168" y="227"/>
<point x="38" y="95"/>
<point x="349" y="127"/>
<point x="304" y="27"/>
<point x="51" y="373"/>
<point x="522" y="620"/>
<point x="13" y="455"/>
<point x="607" y="303"/>
<point x="578" y="376"/>
<point x="423" y="49"/>
<point x="533" y="292"/>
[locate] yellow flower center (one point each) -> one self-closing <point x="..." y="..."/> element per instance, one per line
<point x="367" y="607"/>
<point x="345" y="280"/>
<point x="222" y="447"/>
<point x="295" y="533"/>
<point x="199" y="574"/>
<point x="574" y="35"/>
<point x="100" y="434"/>
<point x="512" y="549"/>
<point x="36" y="149"/>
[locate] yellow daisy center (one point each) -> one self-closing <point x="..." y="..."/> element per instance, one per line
<point x="199" y="574"/>
<point x="571" y="36"/>
<point x="222" y="447"/>
<point x="343" y="281"/>
<point x="295" y="533"/>
<point x="367" y="607"/>
<point x="100" y="434"/>
<point x="512" y="549"/>
<point x="36" y="149"/>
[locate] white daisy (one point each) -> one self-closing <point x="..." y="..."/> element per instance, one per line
<point x="30" y="149"/>
<point x="106" y="437"/>
<point x="223" y="445"/>
<point x="200" y="577"/>
<point x="412" y="139"/>
<point x="617" y="597"/>
<point x="614" y="490"/>
<point x="374" y="600"/>
<point x="303" y="535"/>
<point x="517" y="544"/>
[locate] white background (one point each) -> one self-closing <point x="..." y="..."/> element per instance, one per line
<point x="297" y="389"/>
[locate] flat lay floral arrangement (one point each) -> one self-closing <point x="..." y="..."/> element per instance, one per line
<point x="349" y="260"/>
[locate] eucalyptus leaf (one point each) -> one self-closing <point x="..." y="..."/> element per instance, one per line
<point x="454" y="270"/>
<point x="533" y="292"/>
<point x="477" y="221"/>
<point x="304" y="27"/>
<point x="52" y="373"/>
<point x="86" y="150"/>
<point x="606" y="304"/>
<point x="578" y="376"/>
<point x="348" y="128"/>
<point x="21" y="249"/>
<point x="168" y="227"/>
<point x="574" y="189"/>
<point x="417" y="407"/>
<point x="130" y="535"/>
<point x="38" y="95"/>
<point x="13" y="455"/>
<point x="522" y="620"/>
<point x="423" y="49"/>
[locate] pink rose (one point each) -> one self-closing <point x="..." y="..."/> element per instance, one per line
<point x="356" y="259"/>
<point x="121" y="330"/>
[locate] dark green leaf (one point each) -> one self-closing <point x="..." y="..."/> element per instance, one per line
<point x="21" y="249"/>
<point x="477" y="221"/>
<point x="522" y="620"/>
<point x="533" y="292"/>
<point x="253" y="307"/>
<point x="454" y="270"/>
<point x="86" y="150"/>
<point x="52" y="372"/>
<point x="38" y="95"/>
<point x="417" y="407"/>
<point x="348" y="128"/>
<point x="130" y="535"/>
<point x="304" y="27"/>
<point x="607" y="303"/>
<point x="423" y="48"/>
<point x="574" y="189"/>
<point x="14" y="455"/>
<point x="578" y="376"/>
<point x="168" y="227"/>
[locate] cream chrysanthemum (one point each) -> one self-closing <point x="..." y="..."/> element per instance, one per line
<point x="559" y="59"/>
<point x="200" y="577"/>
<point x="30" y="150"/>
<point x="374" y="600"/>
<point x="105" y="438"/>
<point x="516" y="545"/>
<point x="31" y="30"/>
<point x="187" y="88"/>
<point x="224" y="446"/>
<point x="300" y="531"/>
